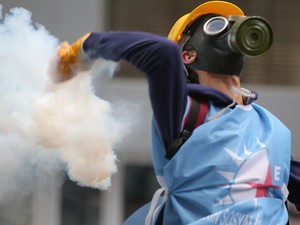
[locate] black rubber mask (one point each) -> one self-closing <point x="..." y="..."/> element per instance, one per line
<point x="213" y="52"/>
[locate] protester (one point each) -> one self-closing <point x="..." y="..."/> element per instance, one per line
<point x="219" y="157"/>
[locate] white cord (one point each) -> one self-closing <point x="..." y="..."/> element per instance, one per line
<point x="155" y="207"/>
<point x="243" y="91"/>
<point x="221" y="112"/>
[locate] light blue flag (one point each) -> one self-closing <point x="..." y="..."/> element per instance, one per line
<point x="234" y="169"/>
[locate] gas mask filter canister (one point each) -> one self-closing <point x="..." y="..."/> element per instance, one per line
<point x="249" y="35"/>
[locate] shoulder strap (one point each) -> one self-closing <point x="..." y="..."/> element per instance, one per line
<point x="195" y="118"/>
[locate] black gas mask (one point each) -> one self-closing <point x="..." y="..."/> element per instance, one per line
<point x="222" y="43"/>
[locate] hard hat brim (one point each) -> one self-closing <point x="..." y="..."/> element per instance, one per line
<point x="216" y="7"/>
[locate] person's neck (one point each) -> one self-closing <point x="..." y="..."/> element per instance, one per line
<point x="221" y="82"/>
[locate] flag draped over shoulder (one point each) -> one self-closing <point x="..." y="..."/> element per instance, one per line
<point x="232" y="170"/>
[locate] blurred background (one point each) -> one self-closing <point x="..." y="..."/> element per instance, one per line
<point x="276" y="76"/>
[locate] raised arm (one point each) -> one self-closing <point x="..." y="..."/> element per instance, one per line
<point x="160" y="60"/>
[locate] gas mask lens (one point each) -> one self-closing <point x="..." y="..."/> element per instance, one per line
<point x="215" y="25"/>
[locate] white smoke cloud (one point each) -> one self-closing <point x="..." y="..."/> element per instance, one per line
<point x="80" y="127"/>
<point x="47" y="128"/>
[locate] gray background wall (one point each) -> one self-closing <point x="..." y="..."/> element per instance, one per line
<point x="65" y="19"/>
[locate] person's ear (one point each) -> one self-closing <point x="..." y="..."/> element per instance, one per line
<point x="189" y="56"/>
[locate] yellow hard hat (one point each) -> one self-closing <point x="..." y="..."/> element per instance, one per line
<point x="216" y="7"/>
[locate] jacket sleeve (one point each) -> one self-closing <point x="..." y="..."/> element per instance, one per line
<point x="294" y="184"/>
<point x="160" y="60"/>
